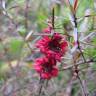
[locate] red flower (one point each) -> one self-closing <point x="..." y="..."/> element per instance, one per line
<point x="46" y="67"/>
<point x="53" y="46"/>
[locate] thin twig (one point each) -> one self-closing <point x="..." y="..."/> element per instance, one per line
<point x="85" y="94"/>
<point x="70" y="66"/>
<point x="41" y="86"/>
<point x="53" y="13"/>
<point x="26" y="14"/>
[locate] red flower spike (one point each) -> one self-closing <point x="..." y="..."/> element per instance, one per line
<point x="53" y="46"/>
<point x="46" y="67"/>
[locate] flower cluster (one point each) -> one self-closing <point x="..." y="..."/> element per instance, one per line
<point x="46" y="67"/>
<point x="53" y="47"/>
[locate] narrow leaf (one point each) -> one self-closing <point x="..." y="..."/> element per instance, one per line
<point x="75" y="4"/>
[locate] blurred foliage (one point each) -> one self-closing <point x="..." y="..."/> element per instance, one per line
<point x="15" y="25"/>
<point x="13" y="48"/>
